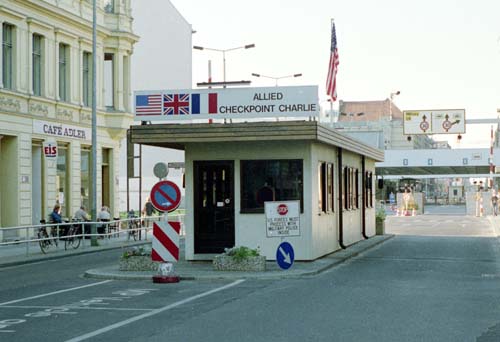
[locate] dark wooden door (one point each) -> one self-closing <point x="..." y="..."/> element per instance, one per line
<point x="213" y="206"/>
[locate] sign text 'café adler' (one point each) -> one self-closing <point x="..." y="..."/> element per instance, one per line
<point x="173" y="105"/>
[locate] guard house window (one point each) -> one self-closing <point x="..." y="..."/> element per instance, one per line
<point x="345" y="188"/>
<point x="322" y="188"/>
<point x="270" y="180"/>
<point x="86" y="78"/>
<point x="37" y="64"/>
<point x="7" y="53"/>
<point x="330" y="181"/>
<point x="368" y="190"/>
<point x="109" y="84"/>
<point x="356" y="188"/>
<point x="63" y="72"/>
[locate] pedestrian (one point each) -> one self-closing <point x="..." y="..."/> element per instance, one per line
<point x="147" y="211"/>
<point x="55" y="215"/>
<point x="82" y="216"/>
<point x="103" y="216"/>
<point x="494" y="202"/>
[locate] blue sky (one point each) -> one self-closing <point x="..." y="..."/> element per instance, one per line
<point x="439" y="54"/>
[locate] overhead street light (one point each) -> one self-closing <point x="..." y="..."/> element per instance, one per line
<point x="276" y="78"/>
<point x="248" y="46"/>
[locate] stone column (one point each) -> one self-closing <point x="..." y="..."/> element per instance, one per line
<point x="1" y="54"/>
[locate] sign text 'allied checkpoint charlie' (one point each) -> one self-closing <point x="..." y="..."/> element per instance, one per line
<point x="174" y="105"/>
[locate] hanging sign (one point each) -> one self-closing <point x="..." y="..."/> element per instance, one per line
<point x="50" y="149"/>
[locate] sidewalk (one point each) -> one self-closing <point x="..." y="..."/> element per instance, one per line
<point x="13" y="255"/>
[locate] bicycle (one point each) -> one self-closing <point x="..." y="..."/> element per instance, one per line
<point x="73" y="236"/>
<point x="45" y="241"/>
<point x="133" y="225"/>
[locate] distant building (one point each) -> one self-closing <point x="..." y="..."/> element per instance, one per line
<point x="378" y="123"/>
<point x="46" y="97"/>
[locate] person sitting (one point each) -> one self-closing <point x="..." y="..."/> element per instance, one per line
<point x="82" y="216"/>
<point x="103" y="216"/>
<point x="55" y="215"/>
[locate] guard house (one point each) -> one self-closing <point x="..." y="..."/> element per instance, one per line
<point x="232" y="169"/>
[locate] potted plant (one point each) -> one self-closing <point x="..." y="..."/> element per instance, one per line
<point x="380" y="221"/>
<point x="240" y="259"/>
<point x="137" y="259"/>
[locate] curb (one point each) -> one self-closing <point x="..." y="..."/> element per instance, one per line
<point x="335" y="261"/>
<point x="87" y="250"/>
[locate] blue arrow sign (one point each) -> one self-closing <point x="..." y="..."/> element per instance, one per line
<point x="285" y="255"/>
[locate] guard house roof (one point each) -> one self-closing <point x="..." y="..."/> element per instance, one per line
<point x="177" y="135"/>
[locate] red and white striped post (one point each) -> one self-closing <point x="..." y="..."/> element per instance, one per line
<point x="166" y="250"/>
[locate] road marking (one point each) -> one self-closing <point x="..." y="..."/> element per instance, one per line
<point x="55" y="292"/>
<point x="71" y="307"/>
<point x="152" y="313"/>
<point x="9" y="331"/>
<point x="22" y="265"/>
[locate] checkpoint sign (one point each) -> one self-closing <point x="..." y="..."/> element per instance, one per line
<point x="285" y="255"/>
<point x="165" y="196"/>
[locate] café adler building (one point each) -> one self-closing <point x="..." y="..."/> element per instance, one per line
<point x="234" y="171"/>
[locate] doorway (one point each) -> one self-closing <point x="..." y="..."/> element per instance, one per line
<point x="213" y="206"/>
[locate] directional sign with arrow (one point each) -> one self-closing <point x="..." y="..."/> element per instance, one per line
<point x="285" y="255"/>
<point x="440" y="121"/>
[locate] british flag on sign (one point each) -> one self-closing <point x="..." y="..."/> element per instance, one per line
<point x="176" y="104"/>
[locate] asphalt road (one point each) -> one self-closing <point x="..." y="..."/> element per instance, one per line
<point x="411" y="288"/>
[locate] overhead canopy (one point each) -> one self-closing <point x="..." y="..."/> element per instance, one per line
<point x="176" y="136"/>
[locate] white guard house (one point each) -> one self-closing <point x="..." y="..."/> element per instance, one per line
<point x="233" y="169"/>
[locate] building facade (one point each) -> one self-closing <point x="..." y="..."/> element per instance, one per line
<point x="46" y="98"/>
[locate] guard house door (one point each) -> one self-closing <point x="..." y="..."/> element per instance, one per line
<point x="213" y="206"/>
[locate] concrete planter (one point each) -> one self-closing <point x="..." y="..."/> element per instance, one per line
<point x="138" y="263"/>
<point x="380" y="227"/>
<point x="224" y="262"/>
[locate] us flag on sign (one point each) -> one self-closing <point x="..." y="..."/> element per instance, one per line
<point x="331" y="79"/>
<point x="175" y="104"/>
<point x="148" y="104"/>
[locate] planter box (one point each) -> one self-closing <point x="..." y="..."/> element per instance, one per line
<point x="138" y="263"/>
<point x="379" y="227"/>
<point x="251" y="264"/>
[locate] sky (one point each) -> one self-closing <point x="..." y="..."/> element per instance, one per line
<point x="439" y="54"/>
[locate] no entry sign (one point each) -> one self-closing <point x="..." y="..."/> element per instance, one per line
<point x="165" y="196"/>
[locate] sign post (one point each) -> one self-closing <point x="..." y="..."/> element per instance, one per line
<point x="166" y="197"/>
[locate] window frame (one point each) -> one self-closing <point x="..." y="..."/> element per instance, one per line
<point x="86" y="78"/>
<point x="260" y="210"/>
<point x="63" y="70"/>
<point x="37" y="64"/>
<point x="8" y="46"/>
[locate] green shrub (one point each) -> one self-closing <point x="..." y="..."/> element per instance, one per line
<point x="135" y="251"/>
<point x="241" y="253"/>
<point x="380" y="214"/>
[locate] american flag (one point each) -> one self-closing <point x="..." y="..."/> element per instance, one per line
<point x="331" y="79"/>
<point x="174" y="104"/>
<point x="148" y="104"/>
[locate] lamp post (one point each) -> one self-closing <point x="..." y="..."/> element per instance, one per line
<point x="248" y="46"/>
<point x="93" y="211"/>
<point x="276" y="78"/>
<point x="390" y="103"/>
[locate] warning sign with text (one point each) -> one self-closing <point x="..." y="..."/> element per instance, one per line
<point x="282" y="218"/>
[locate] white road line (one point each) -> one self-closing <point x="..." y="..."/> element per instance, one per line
<point x="72" y="307"/>
<point x="55" y="292"/>
<point x="152" y="313"/>
<point x="23" y="265"/>
<point x="9" y="331"/>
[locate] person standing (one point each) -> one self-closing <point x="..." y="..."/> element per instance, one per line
<point x="494" y="202"/>
<point x="147" y="212"/>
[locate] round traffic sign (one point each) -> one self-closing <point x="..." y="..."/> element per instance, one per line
<point x="285" y="255"/>
<point x="165" y="196"/>
<point x="160" y="170"/>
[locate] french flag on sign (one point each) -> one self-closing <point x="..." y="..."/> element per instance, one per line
<point x="204" y="103"/>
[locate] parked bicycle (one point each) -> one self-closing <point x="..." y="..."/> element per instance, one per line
<point x="48" y="239"/>
<point x="133" y="225"/>
<point x="73" y="237"/>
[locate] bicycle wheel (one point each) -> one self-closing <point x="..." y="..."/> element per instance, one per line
<point x="45" y="243"/>
<point x="70" y="239"/>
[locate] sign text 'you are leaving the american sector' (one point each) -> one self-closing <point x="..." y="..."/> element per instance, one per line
<point x="174" y="105"/>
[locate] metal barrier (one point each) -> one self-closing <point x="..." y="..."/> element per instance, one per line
<point x="116" y="231"/>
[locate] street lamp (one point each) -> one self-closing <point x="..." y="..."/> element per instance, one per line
<point x="276" y="78"/>
<point x="249" y="46"/>
<point x="390" y="103"/>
